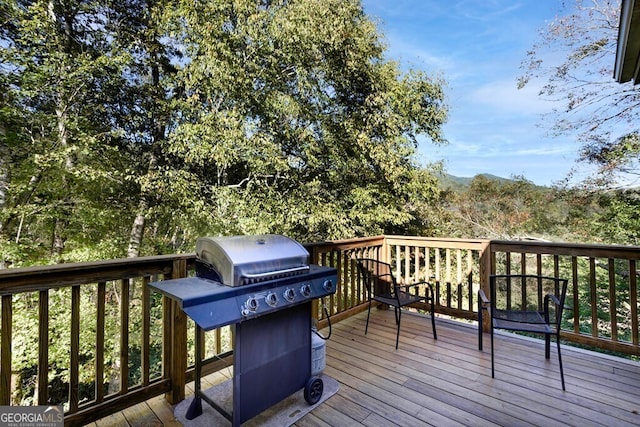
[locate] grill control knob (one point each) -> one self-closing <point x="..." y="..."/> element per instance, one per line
<point x="305" y="290"/>
<point x="251" y="304"/>
<point x="328" y="285"/>
<point x="289" y="294"/>
<point x="271" y="299"/>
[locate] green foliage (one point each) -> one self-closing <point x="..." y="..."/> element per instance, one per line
<point x="488" y="207"/>
<point x="204" y="118"/>
<point x="505" y="209"/>
<point x="618" y="221"/>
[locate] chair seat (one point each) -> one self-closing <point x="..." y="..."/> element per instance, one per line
<point x="519" y="316"/>
<point x="514" y="325"/>
<point x="524" y="321"/>
<point x="405" y="298"/>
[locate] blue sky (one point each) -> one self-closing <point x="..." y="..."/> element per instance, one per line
<point x="478" y="46"/>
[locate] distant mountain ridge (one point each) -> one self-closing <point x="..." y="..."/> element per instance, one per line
<point x="451" y="181"/>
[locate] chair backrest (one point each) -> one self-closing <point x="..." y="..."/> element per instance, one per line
<point x="377" y="276"/>
<point x="526" y="293"/>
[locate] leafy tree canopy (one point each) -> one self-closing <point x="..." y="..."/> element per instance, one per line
<point x="575" y="57"/>
<point x="133" y="127"/>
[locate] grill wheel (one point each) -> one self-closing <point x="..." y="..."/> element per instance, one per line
<point x="313" y="390"/>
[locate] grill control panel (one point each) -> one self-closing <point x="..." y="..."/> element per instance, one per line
<point x="305" y="288"/>
<point x="212" y="304"/>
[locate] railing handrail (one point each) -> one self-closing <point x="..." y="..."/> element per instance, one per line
<point x="35" y="278"/>
<point x="566" y="248"/>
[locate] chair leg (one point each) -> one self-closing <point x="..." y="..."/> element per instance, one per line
<point x="399" y="313"/>
<point x="433" y="320"/>
<point x="560" y="363"/>
<point x="492" y="365"/>
<point x="547" y="346"/>
<point x="366" y="328"/>
<point x="479" y="324"/>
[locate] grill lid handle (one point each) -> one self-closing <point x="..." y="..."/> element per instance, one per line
<point x="275" y="273"/>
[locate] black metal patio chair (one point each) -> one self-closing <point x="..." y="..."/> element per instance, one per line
<point x="382" y="287"/>
<point x="524" y="303"/>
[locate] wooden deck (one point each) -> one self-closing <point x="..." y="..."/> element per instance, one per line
<point x="448" y="382"/>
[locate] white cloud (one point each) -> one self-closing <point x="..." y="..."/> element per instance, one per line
<point x="503" y="95"/>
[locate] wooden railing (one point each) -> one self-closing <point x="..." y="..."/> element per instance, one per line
<point x="603" y="287"/>
<point x="603" y="279"/>
<point x="153" y="352"/>
<point x="60" y="300"/>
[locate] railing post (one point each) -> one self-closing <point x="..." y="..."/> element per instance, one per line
<point x="386" y="251"/>
<point x="485" y="272"/>
<point x="175" y="345"/>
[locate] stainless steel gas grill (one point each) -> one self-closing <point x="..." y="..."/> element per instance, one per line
<point x="263" y="286"/>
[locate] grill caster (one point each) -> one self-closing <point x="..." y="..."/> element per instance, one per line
<point x="313" y="390"/>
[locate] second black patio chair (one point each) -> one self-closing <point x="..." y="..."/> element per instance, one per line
<point x="524" y="303"/>
<point x="382" y="287"/>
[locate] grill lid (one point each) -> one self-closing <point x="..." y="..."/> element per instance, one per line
<point x="240" y="260"/>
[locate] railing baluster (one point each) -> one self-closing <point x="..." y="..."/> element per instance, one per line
<point x="447" y="255"/>
<point x="539" y="271"/>
<point x="427" y="261"/>
<point x="43" y="348"/>
<point x="354" y="284"/>
<point x="5" y="353"/>
<point x="74" y="368"/>
<point x="145" y="355"/>
<point x="438" y="275"/>
<point x="593" y="297"/>
<point x="417" y="264"/>
<point x="398" y="264"/>
<point x="576" y="295"/>
<point x="100" y="322"/>
<point x="633" y="301"/>
<point x="407" y="264"/>
<point x="469" y="274"/>
<point x="523" y="270"/>
<point x="459" y="277"/>
<point x="343" y="288"/>
<point x="613" y="307"/>
<point x="124" y="336"/>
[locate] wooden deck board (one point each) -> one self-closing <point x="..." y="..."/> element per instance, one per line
<point x="447" y="382"/>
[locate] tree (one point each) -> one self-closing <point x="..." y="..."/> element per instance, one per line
<point x="134" y="127"/>
<point x="294" y="123"/>
<point x="58" y="68"/>
<point x="505" y="209"/>
<point x="600" y="112"/>
<point x="617" y="220"/>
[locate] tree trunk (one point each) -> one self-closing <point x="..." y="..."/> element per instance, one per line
<point x="137" y="230"/>
<point x="4" y="174"/>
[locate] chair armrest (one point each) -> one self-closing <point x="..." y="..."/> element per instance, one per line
<point x="556" y="302"/>
<point x="553" y="298"/>
<point x="429" y="288"/>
